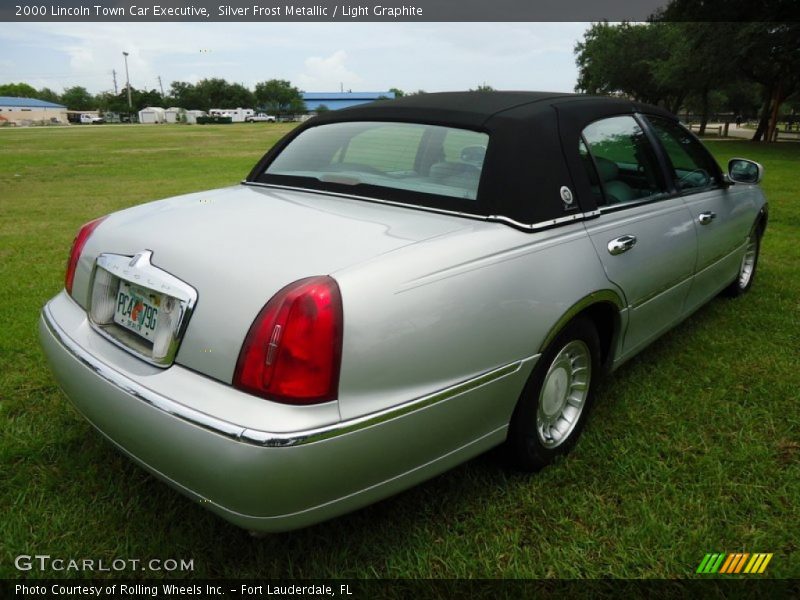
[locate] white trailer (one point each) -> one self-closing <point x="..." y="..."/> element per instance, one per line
<point x="237" y="115"/>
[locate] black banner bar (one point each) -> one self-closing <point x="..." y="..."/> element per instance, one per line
<point x="474" y="589"/>
<point x="327" y="10"/>
<point x="396" y="10"/>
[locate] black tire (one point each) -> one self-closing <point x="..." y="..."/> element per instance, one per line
<point x="743" y="280"/>
<point x="528" y="446"/>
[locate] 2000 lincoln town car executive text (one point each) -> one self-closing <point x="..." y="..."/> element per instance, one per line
<point x="394" y="289"/>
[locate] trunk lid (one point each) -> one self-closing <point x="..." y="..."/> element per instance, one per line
<point x="238" y="246"/>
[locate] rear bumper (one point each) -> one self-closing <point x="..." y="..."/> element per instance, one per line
<point x="275" y="481"/>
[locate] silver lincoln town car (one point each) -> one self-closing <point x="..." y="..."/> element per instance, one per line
<point x="394" y="289"/>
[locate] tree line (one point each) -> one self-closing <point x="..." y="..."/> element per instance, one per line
<point x="275" y="96"/>
<point x="747" y="69"/>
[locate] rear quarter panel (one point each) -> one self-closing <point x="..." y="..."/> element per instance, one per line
<point x="447" y="309"/>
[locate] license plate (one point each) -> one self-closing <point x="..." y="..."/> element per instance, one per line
<point x="137" y="309"/>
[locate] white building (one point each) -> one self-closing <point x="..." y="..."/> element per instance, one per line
<point x="31" y="111"/>
<point x="175" y="114"/>
<point x="152" y="114"/>
<point x="191" y="116"/>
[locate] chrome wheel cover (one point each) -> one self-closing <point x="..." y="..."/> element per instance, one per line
<point x="748" y="262"/>
<point x="563" y="394"/>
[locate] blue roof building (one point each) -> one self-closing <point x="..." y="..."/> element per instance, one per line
<point x="337" y="100"/>
<point x="32" y="103"/>
<point x="30" y="111"/>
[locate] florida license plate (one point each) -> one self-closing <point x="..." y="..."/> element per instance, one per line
<point x="137" y="309"/>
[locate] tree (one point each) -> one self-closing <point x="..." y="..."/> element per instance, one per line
<point x="770" y="55"/>
<point x="48" y="95"/>
<point x="239" y="96"/>
<point x="77" y="98"/>
<point x="483" y="88"/>
<point x="279" y="96"/>
<point x="108" y="102"/>
<point x="18" y="90"/>
<point x="322" y="108"/>
<point x="398" y="93"/>
<point x="144" y="98"/>
<point x="693" y="67"/>
<point x="209" y="93"/>
<point x="185" y="95"/>
<point x="118" y="103"/>
<point x="765" y="52"/>
<point x="621" y="60"/>
<point x="698" y="64"/>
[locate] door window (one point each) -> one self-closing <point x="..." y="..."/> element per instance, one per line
<point x="692" y="167"/>
<point x="624" y="167"/>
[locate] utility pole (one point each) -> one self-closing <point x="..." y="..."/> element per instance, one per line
<point x="161" y="85"/>
<point x="128" y="83"/>
<point x="114" y="75"/>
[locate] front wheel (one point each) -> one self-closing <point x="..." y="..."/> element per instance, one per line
<point x="555" y="402"/>
<point x="747" y="268"/>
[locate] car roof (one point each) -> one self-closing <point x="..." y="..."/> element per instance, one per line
<point x="478" y="110"/>
<point x="531" y="163"/>
<point x="456" y="108"/>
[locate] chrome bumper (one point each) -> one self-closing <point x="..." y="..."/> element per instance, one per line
<point x="275" y="481"/>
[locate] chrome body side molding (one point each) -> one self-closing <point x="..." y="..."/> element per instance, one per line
<point x="258" y="437"/>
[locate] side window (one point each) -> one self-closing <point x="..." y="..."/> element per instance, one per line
<point x="627" y="166"/>
<point x="692" y="167"/>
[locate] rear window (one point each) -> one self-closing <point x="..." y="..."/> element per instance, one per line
<point x="408" y="161"/>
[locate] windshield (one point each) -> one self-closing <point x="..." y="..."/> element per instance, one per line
<point x="424" y="161"/>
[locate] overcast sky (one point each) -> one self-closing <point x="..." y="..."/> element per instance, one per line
<point x="313" y="56"/>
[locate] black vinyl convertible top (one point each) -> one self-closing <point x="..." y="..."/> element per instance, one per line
<point x="455" y="109"/>
<point x="532" y="152"/>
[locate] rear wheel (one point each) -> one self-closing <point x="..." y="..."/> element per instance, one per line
<point x="554" y="405"/>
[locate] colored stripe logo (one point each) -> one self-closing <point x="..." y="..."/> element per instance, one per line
<point x="737" y="562"/>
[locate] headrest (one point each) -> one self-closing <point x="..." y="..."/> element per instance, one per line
<point x="473" y="154"/>
<point x="607" y="169"/>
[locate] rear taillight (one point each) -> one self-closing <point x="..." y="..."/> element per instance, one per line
<point x="77" y="247"/>
<point x="293" y="350"/>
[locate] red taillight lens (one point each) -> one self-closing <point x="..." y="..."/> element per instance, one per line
<point x="293" y="350"/>
<point x="77" y="247"/>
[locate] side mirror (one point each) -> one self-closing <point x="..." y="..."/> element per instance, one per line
<point x="742" y="170"/>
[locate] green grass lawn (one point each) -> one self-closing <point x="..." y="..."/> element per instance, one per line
<point x="694" y="446"/>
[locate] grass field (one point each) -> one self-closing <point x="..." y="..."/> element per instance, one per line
<point x="694" y="446"/>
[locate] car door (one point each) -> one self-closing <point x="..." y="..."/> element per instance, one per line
<point x="644" y="236"/>
<point x="722" y="217"/>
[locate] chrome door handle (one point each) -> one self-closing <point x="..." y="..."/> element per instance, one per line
<point x="706" y="217"/>
<point x="621" y="244"/>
